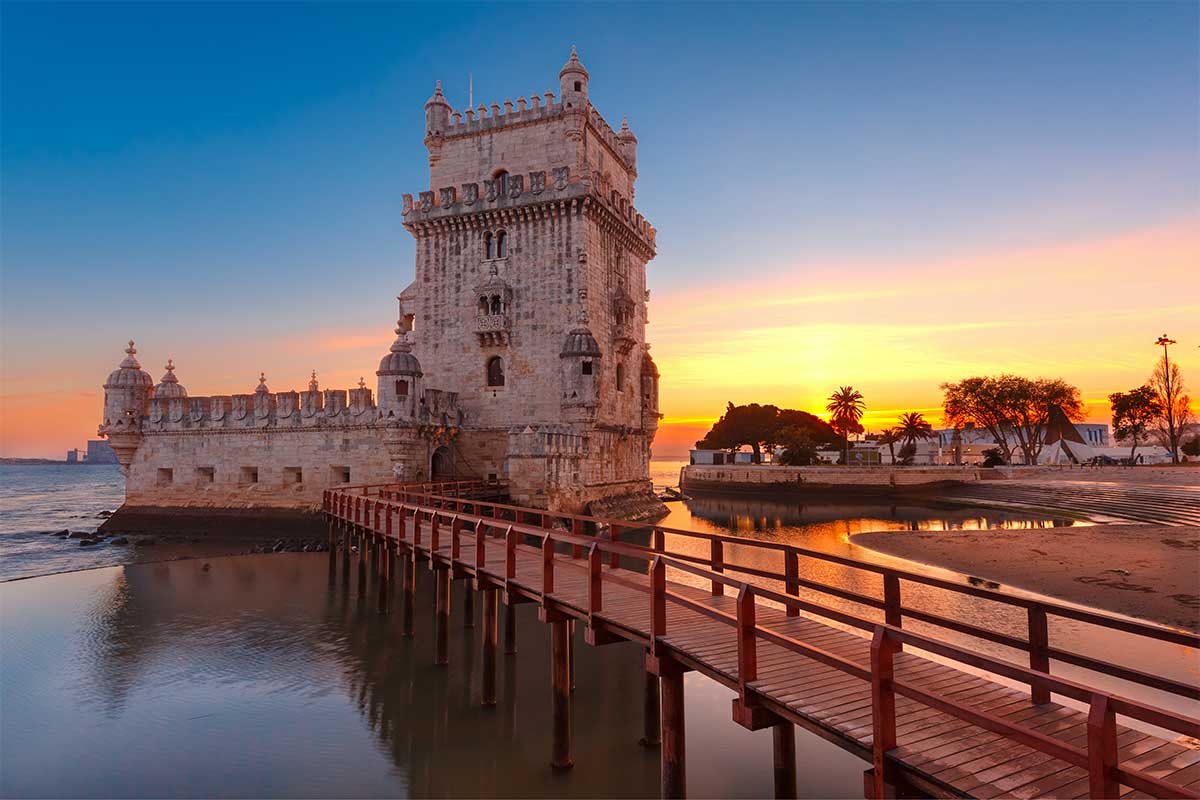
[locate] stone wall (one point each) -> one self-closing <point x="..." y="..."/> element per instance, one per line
<point x="761" y="477"/>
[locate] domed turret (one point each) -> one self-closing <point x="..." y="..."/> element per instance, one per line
<point x="580" y="374"/>
<point x="262" y="384"/>
<point x="126" y="398"/>
<point x="629" y="143"/>
<point x="573" y="82"/>
<point x="399" y="378"/>
<point x="169" y="387"/>
<point x="437" y="112"/>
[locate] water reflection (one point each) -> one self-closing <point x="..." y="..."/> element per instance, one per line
<point x="257" y="677"/>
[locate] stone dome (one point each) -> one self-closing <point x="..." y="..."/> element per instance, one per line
<point x="573" y="66"/>
<point x="437" y="98"/>
<point x="169" y="386"/>
<point x="580" y="342"/>
<point x="129" y="373"/>
<point x="400" y="360"/>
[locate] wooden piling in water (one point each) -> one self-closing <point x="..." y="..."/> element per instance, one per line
<point x="672" y="751"/>
<point x="491" y="624"/>
<point x="409" y="566"/>
<point x="385" y="575"/>
<point x="651" y="718"/>
<point x="560" y="637"/>
<point x="442" y="620"/>
<point x="468" y="605"/>
<point x="783" y="734"/>
<point x="510" y="630"/>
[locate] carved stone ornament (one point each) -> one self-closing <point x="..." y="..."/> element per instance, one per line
<point x="537" y="182"/>
<point x="516" y="185"/>
<point x="426" y="201"/>
<point x="489" y="188"/>
<point x="449" y="196"/>
<point x="560" y="177"/>
<point x="470" y="193"/>
<point x="408" y="203"/>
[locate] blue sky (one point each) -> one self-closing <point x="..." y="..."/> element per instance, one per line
<point x="220" y="176"/>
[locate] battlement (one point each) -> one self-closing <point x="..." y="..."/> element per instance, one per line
<point x="283" y="410"/>
<point x="469" y="198"/>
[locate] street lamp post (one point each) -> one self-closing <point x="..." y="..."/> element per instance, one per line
<point x="1164" y="341"/>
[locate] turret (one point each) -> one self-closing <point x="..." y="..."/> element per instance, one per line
<point x="399" y="374"/>
<point x="573" y="83"/>
<point x="580" y="374"/>
<point x="650" y="415"/>
<point x="629" y="144"/>
<point x="127" y="395"/>
<point x="437" y="113"/>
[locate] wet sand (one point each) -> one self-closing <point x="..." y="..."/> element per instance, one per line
<point x="1147" y="571"/>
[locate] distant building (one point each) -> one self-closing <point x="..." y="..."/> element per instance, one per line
<point x="99" y="452"/>
<point x="73" y="456"/>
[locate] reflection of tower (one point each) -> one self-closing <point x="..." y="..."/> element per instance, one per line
<point x="127" y="394"/>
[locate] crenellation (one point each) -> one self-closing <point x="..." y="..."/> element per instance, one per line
<point x="520" y="349"/>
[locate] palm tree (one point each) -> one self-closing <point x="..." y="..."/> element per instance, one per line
<point x="890" y="436"/>
<point x="846" y="408"/>
<point x="913" y="427"/>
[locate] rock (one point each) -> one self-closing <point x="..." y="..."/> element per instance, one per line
<point x="104" y="514"/>
<point x="206" y="567"/>
<point x="87" y="542"/>
<point x="76" y="534"/>
<point x="119" y="540"/>
<point x="147" y="542"/>
<point x="62" y="535"/>
<point x="278" y="548"/>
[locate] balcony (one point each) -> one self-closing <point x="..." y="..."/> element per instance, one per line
<point x="492" y="329"/>
<point x="623" y="337"/>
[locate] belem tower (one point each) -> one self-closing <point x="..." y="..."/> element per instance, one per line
<point x="520" y="352"/>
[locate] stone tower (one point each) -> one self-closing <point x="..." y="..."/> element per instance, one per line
<point x="530" y="296"/>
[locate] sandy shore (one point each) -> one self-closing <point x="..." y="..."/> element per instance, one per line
<point x="1147" y="571"/>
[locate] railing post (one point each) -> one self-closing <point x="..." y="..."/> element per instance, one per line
<point x="547" y="567"/>
<point x="717" y="557"/>
<point x="1039" y="651"/>
<point x="480" y="551"/>
<point x="658" y="540"/>
<point x="416" y="530"/>
<point x="400" y="532"/>
<point x="387" y="525"/>
<point x="434" y="535"/>
<point x="658" y="602"/>
<point x="747" y="641"/>
<point x="883" y="708"/>
<point x="791" y="571"/>
<point x="377" y="507"/>
<point x="455" y="545"/>
<point x="595" y="592"/>
<point x="1102" y="749"/>
<point x="510" y="554"/>
<point x="892" y="613"/>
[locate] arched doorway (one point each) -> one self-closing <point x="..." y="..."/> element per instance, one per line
<point x="441" y="468"/>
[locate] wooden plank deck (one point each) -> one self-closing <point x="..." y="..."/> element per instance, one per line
<point x="935" y="752"/>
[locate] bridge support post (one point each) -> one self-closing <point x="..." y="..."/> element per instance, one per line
<point x="385" y="575"/>
<point x="560" y="638"/>
<point x="491" y="625"/>
<point x="571" y="653"/>
<point x="442" y="627"/>
<point x="362" y="567"/>
<point x="409" y="566"/>
<point x="510" y="629"/>
<point x="468" y="605"/>
<point x="673" y="750"/>
<point x="651" y="718"/>
<point x="784" y="735"/>
<point x="345" y="556"/>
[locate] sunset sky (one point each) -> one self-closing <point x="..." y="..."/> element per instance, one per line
<point x="889" y="195"/>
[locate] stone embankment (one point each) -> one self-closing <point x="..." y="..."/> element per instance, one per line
<point x="762" y="478"/>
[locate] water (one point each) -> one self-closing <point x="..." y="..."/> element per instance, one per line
<point x="258" y="677"/>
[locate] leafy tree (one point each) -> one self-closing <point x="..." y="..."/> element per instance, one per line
<point x="1133" y="413"/>
<point x="1011" y="404"/>
<point x="1191" y="447"/>
<point x="800" y="450"/>
<point x="846" y="407"/>
<point x="993" y="457"/>
<point x="761" y="427"/>
<point x="907" y="452"/>
<point x="913" y="426"/>
<point x="1176" y="407"/>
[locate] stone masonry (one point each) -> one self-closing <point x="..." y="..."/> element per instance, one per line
<point x="528" y="311"/>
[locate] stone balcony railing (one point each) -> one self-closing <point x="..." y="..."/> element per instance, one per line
<point x="623" y="337"/>
<point x="492" y="329"/>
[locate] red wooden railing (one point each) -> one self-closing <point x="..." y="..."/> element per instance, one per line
<point x="503" y="521"/>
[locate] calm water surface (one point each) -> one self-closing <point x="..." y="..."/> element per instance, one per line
<point x="258" y="676"/>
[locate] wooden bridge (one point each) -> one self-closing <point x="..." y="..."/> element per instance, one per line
<point x="933" y="718"/>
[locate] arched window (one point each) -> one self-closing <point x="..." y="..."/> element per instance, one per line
<point x="620" y="377"/>
<point x="501" y="245"/>
<point x="496" y="307"/>
<point x="489" y="245"/>
<point x="495" y="371"/>
<point x="501" y="178"/>
<point x="401" y="388"/>
<point x="483" y="305"/>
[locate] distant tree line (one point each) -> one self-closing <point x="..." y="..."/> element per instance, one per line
<point x="769" y="428"/>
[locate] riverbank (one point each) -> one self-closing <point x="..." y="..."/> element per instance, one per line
<point x="1147" y="571"/>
